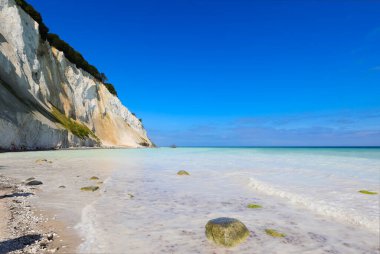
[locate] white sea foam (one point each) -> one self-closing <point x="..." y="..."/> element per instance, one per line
<point x="322" y="207"/>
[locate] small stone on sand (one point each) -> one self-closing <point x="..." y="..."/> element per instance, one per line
<point x="34" y="182"/>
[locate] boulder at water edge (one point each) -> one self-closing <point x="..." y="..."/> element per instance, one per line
<point x="227" y="232"/>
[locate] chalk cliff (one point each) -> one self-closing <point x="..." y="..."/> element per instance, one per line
<point x="47" y="102"/>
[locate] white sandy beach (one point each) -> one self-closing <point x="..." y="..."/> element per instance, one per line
<point x="142" y="205"/>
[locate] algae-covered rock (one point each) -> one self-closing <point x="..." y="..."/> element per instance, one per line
<point x="183" y="173"/>
<point x="89" y="188"/>
<point x="368" y="192"/>
<point x="41" y="160"/>
<point x="227" y="232"/>
<point x="94" y="178"/>
<point x="34" y="182"/>
<point x="274" y="233"/>
<point x="254" y="206"/>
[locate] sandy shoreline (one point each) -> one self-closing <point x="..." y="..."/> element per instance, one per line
<point x="51" y="209"/>
<point x="23" y="228"/>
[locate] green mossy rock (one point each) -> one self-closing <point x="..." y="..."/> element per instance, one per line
<point x="94" y="178"/>
<point x="89" y="188"/>
<point x="183" y="173"/>
<point x="274" y="233"/>
<point x="368" y="192"/>
<point x="227" y="232"/>
<point x="254" y="206"/>
<point x="41" y="160"/>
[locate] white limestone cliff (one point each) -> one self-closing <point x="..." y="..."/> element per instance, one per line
<point x="39" y="87"/>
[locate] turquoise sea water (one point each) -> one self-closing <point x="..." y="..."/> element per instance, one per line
<point x="310" y="194"/>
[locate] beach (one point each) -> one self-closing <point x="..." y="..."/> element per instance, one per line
<point x="310" y="195"/>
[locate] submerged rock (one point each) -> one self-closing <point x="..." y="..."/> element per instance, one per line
<point x="34" y="182"/>
<point x="30" y="179"/>
<point x="62" y="187"/>
<point x="183" y="173"/>
<point x="368" y="192"/>
<point x="94" y="178"/>
<point x="254" y="206"/>
<point x="274" y="233"/>
<point x="41" y="160"/>
<point x="227" y="232"/>
<point x="89" y="188"/>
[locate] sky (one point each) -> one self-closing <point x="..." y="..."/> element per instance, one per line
<point x="235" y="72"/>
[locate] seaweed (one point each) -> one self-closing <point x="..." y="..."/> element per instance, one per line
<point x="274" y="233"/>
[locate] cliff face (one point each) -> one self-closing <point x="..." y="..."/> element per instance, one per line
<point x="47" y="102"/>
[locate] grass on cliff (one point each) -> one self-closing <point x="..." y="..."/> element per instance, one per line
<point x="78" y="129"/>
<point x="70" y="53"/>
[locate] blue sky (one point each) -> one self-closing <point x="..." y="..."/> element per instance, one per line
<point x="242" y="72"/>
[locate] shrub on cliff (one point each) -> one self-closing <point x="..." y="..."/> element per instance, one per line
<point x="70" y="53"/>
<point x="43" y="29"/>
<point x="111" y="88"/>
<point x="73" y="56"/>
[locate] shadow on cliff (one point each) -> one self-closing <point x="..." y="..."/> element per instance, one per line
<point x="2" y="38"/>
<point x="11" y="82"/>
<point x="18" y="243"/>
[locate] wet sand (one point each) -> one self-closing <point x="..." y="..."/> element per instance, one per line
<point x="32" y="214"/>
<point x="23" y="229"/>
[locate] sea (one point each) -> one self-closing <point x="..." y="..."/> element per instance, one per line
<point x="311" y="195"/>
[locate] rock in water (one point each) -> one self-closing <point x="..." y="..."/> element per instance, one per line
<point x="183" y="173"/>
<point x="274" y="233"/>
<point x="89" y="188"/>
<point x="34" y="182"/>
<point x="226" y="232"/>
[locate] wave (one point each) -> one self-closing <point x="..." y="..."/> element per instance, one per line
<point x="321" y="207"/>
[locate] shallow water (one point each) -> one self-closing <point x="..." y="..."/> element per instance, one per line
<point x="311" y="195"/>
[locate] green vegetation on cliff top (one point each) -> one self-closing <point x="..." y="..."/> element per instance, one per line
<point x="70" y="53"/>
